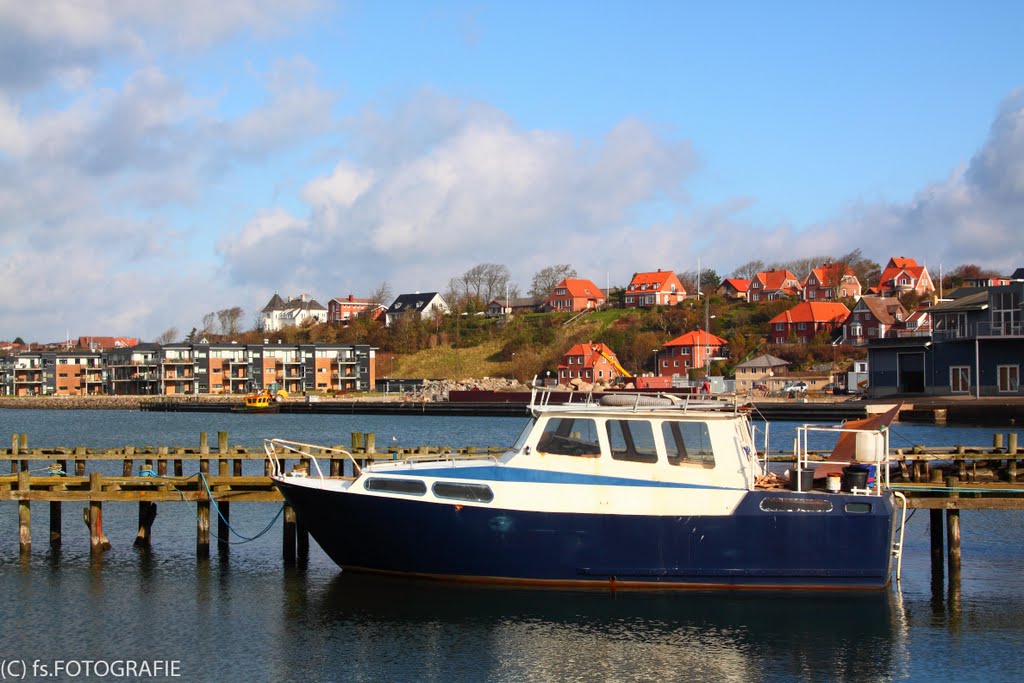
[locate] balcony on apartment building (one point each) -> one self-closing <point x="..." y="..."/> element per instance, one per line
<point x="982" y="330"/>
<point x="178" y="375"/>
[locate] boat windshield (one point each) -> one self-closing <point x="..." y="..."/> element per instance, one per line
<point x="523" y="436"/>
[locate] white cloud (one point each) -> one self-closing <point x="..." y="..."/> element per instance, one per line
<point x="68" y="40"/>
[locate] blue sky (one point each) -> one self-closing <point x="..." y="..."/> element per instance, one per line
<point x="160" y="161"/>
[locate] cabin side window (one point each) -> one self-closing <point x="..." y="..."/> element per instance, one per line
<point x="570" y="436"/>
<point x="632" y="440"/>
<point x="688" y="443"/>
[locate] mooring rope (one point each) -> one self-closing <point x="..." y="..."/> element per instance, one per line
<point x="209" y="493"/>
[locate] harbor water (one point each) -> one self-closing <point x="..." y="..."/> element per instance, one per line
<point x="246" y="617"/>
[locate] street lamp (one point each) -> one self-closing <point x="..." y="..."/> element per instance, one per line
<point x="657" y="370"/>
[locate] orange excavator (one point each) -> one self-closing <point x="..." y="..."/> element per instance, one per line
<point x="598" y="349"/>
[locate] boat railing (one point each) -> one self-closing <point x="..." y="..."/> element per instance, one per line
<point x="871" y="449"/>
<point x="303" y="451"/>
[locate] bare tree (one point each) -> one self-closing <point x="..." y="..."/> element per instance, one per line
<point x="545" y="279"/>
<point x="801" y="267"/>
<point x="208" y="321"/>
<point x="168" y="336"/>
<point x="748" y="270"/>
<point x="229" y="318"/>
<point x="483" y="283"/>
<point x="381" y="295"/>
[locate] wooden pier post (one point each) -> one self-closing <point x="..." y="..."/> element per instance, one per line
<point x="953" y="535"/>
<point x="288" y="536"/>
<point x="371" y="442"/>
<point x="937" y="545"/>
<point x="55" y="513"/>
<point x="223" y="509"/>
<point x="56" y="523"/>
<point x="997" y="441"/>
<point x="302" y="541"/>
<point x="222" y="443"/>
<point x="24" y="517"/>
<point x="203" y="512"/>
<point x="147" y="515"/>
<point x="204" y="444"/>
<point x="129" y="465"/>
<point x="93" y="514"/>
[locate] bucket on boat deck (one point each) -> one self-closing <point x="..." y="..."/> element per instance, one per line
<point x="833" y="483"/>
<point x="857" y="477"/>
<point x="806" y="480"/>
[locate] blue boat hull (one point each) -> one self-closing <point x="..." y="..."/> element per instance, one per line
<point x="775" y="539"/>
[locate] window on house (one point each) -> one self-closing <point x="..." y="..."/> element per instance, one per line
<point x="780" y="327"/>
<point x="810" y="293"/>
<point x="1008" y="378"/>
<point x="801" y="326"/>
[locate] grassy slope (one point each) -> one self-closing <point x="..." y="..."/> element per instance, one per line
<point x="482" y="361"/>
<point x="444" y="361"/>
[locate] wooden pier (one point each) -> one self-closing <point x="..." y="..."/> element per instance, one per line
<point x="940" y="480"/>
<point x="150" y="475"/>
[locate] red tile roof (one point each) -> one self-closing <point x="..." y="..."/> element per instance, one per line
<point x="657" y="278"/>
<point x="589" y="353"/>
<point x="828" y="275"/>
<point x="813" y="312"/>
<point x="581" y="288"/>
<point x="775" y="280"/>
<point x="736" y="283"/>
<point x="897" y="265"/>
<point x="696" y="338"/>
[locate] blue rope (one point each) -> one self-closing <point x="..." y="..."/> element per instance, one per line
<point x="209" y="493"/>
<point x="245" y="539"/>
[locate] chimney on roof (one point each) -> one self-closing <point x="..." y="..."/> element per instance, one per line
<point x="351" y="298"/>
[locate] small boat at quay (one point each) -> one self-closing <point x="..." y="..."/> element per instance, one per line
<point x="261" y="402"/>
<point x="629" y="492"/>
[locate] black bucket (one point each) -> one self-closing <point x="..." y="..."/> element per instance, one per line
<point x="806" y="480"/>
<point x="855" y="478"/>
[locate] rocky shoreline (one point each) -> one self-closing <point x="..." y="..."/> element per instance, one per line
<point x="431" y="391"/>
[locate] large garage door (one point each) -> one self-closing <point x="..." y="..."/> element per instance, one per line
<point x="911" y="371"/>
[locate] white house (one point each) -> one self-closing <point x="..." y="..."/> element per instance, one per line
<point x="426" y="304"/>
<point x="278" y="313"/>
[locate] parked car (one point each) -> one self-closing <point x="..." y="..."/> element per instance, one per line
<point x="793" y="388"/>
<point x="832" y="388"/>
<point x="760" y="387"/>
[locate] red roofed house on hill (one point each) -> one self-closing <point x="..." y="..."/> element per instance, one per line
<point x="572" y="294"/>
<point x="802" y="322"/>
<point x="872" y="318"/>
<point x="689" y="351"/>
<point x="342" y="310"/>
<point x="588" y="362"/>
<point x="734" y="288"/>
<point x="773" y="284"/>
<point x="825" y="283"/>
<point x="902" y="275"/>
<point x="660" y="288"/>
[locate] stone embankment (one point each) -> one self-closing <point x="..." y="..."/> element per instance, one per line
<point x="98" y="402"/>
<point x="434" y="390"/>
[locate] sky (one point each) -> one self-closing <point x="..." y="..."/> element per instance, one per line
<point x="160" y="161"/>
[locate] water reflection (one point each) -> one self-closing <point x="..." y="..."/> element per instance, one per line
<point x="519" y="634"/>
